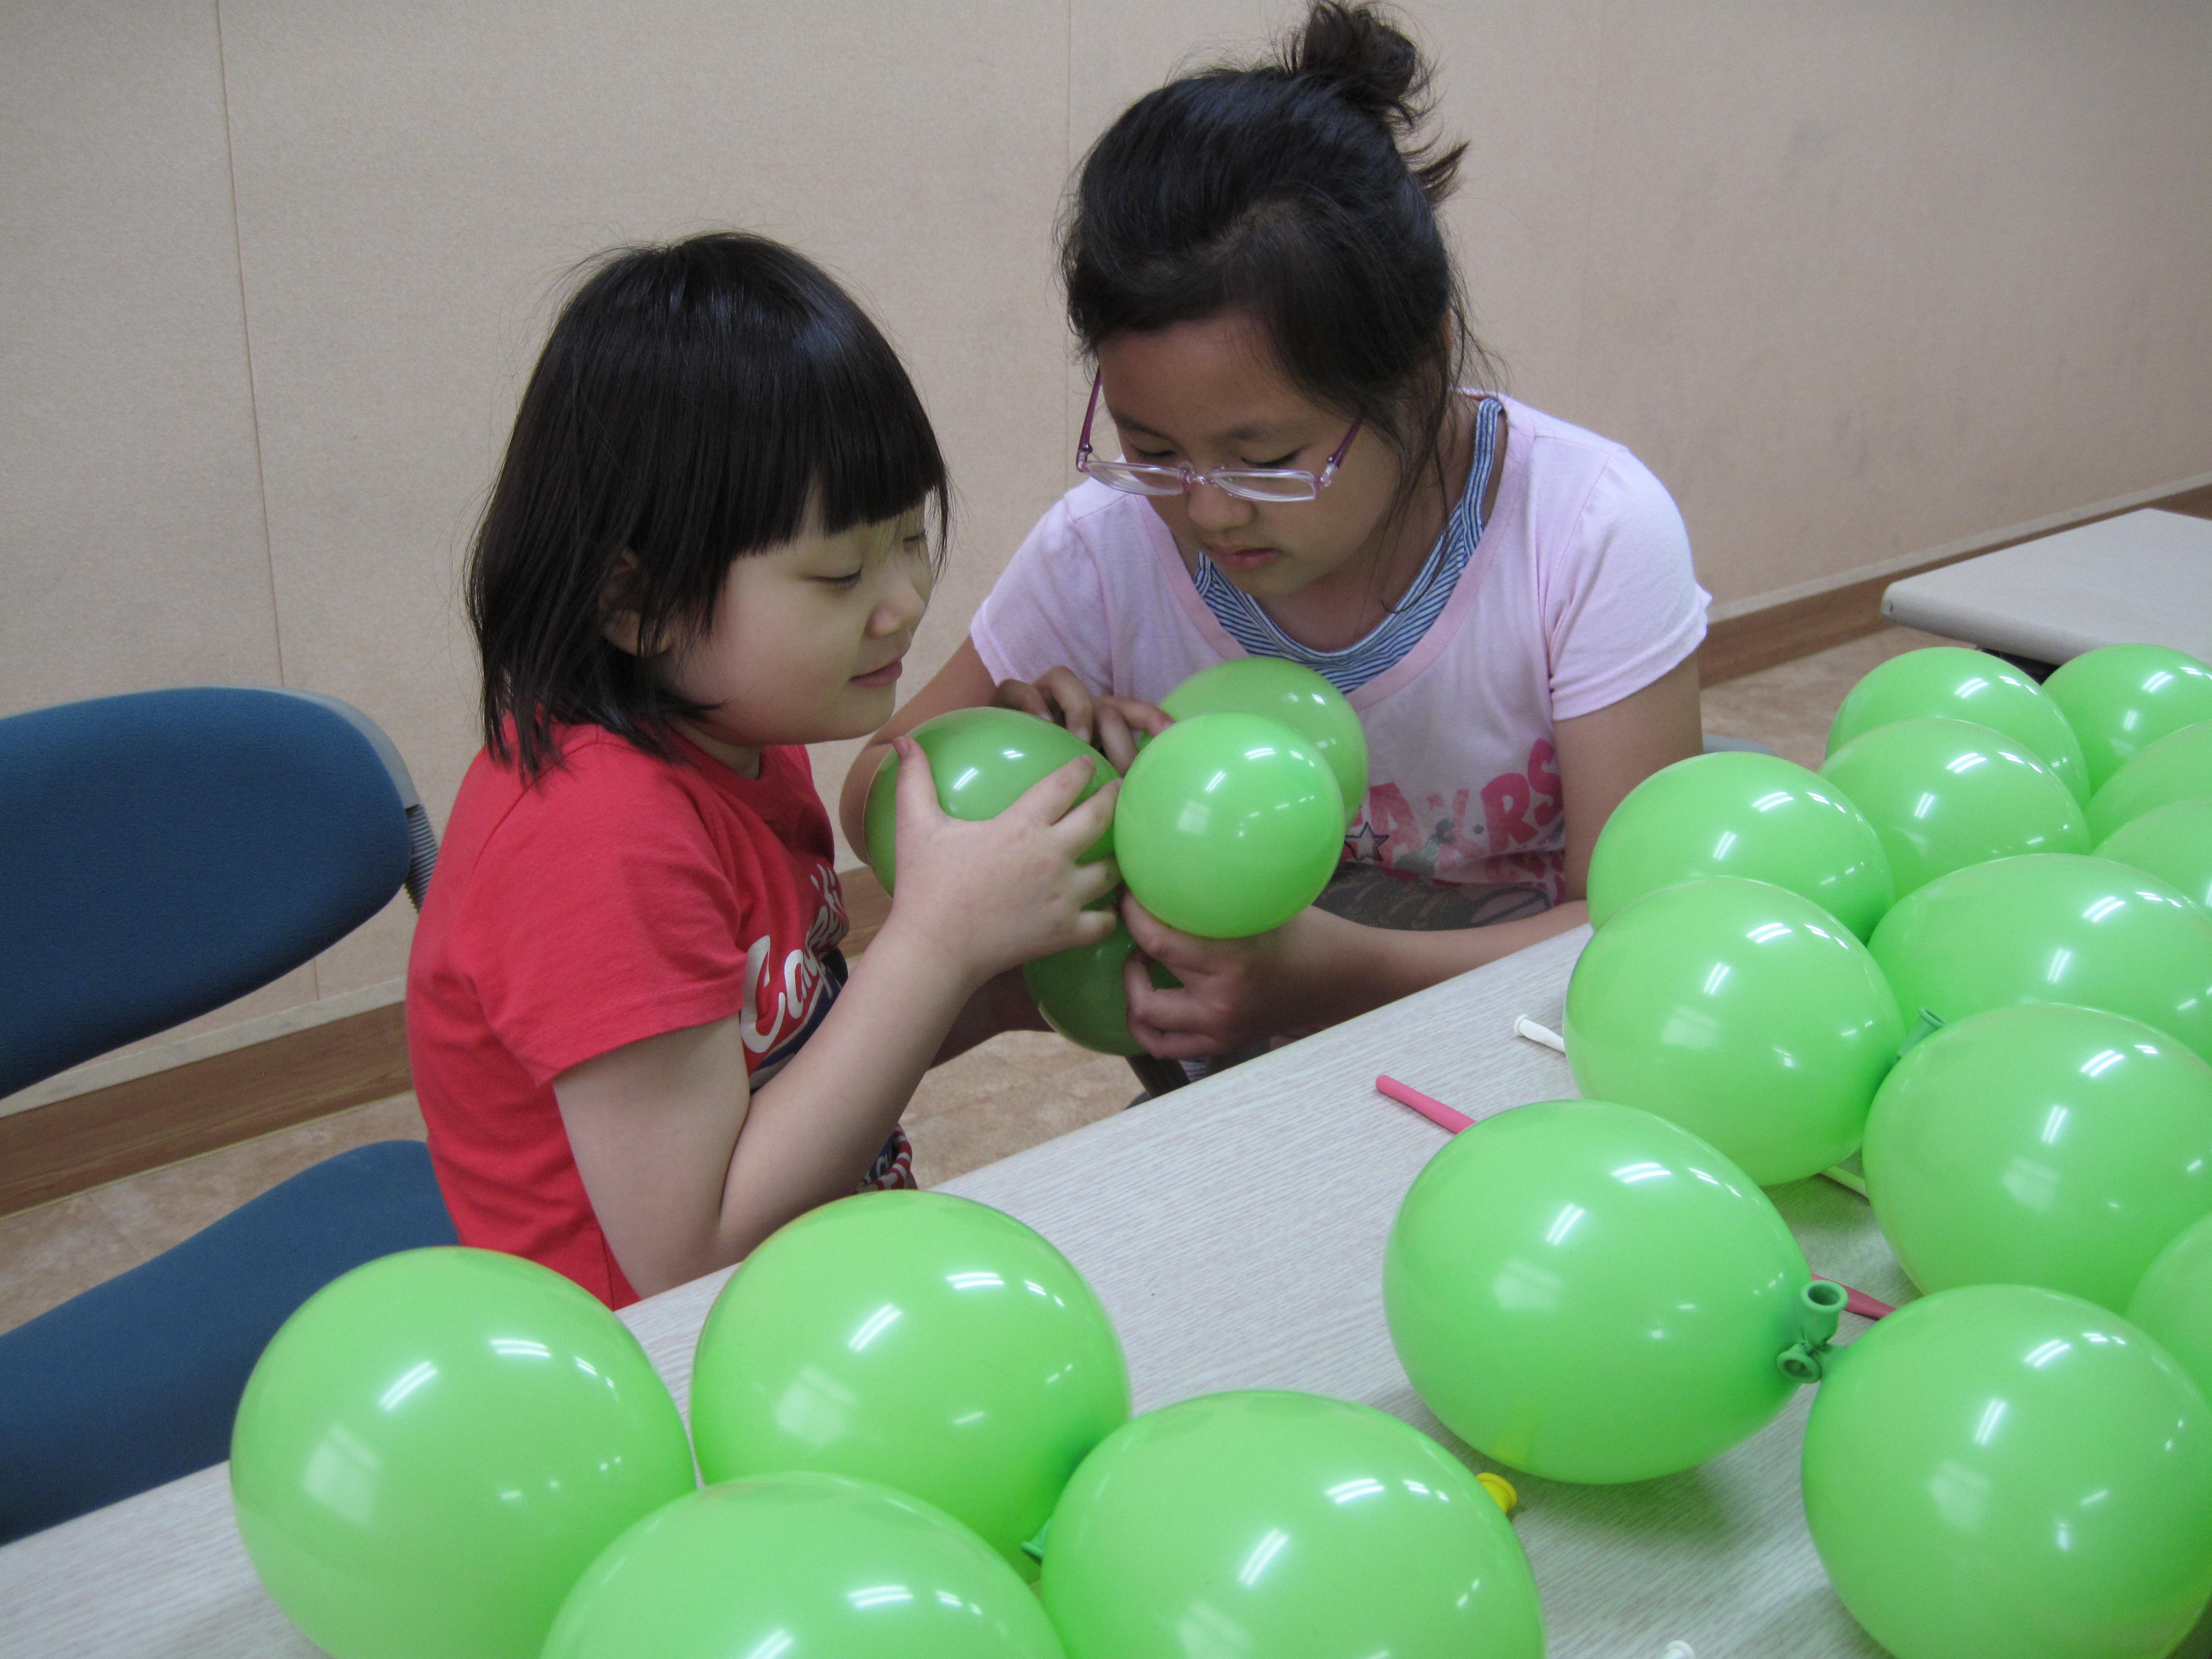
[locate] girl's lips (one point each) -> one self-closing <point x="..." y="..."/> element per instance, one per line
<point x="1240" y="558"/>
<point x="885" y="676"/>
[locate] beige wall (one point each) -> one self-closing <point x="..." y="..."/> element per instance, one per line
<point x="1857" y="280"/>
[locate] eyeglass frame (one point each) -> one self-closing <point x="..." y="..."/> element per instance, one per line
<point x="1220" y="477"/>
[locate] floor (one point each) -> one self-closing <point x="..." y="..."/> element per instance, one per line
<point x="1010" y="1093"/>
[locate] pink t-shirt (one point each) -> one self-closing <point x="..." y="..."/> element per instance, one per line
<point x="1580" y="591"/>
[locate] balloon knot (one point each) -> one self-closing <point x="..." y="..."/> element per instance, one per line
<point x="1500" y="1489"/>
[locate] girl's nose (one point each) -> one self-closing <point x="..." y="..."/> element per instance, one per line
<point x="904" y="599"/>
<point x="1213" y="507"/>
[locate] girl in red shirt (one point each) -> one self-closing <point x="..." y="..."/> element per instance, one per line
<point x="633" y="1035"/>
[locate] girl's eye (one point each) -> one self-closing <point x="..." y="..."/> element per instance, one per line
<point x="1151" y="457"/>
<point x="844" y="582"/>
<point x="1275" y="465"/>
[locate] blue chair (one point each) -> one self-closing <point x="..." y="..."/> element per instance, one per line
<point x="168" y="852"/>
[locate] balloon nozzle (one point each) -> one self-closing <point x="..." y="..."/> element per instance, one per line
<point x="1820" y="1305"/>
<point x="1034" y="1548"/>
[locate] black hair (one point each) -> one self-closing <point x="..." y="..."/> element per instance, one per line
<point x="696" y="401"/>
<point x="1291" y="190"/>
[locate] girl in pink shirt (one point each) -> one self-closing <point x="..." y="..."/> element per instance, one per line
<point x="1255" y="264"/>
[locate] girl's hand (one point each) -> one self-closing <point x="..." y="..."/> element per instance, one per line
<point x="993" y="895"/>
<point x="1110" y="724"/>
<point x="1235" y="992"/>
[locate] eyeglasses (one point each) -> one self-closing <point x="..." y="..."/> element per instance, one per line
<point x="1251" y="483"/>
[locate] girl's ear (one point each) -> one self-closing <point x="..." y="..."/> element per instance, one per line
<point x="619" y="621"/>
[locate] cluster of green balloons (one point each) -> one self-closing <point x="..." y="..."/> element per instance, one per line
<point x="1913" y="948"/>
<point x="1229" y="823"/>
<point x="901" y="1404"/>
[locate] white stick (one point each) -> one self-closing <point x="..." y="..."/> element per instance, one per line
<point x="1526" y="1027"/>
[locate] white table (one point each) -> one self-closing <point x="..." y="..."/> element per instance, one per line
<point x="1235" y="1231"/>
<point x="2143" y="578"/>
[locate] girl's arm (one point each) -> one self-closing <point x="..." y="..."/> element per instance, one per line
<point x="964" y="683"/>
<point x="687" y="1170"/>
<point x="1318" y="969"/>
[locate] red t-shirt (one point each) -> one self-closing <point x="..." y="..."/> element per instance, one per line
<point x="620" y="897"/>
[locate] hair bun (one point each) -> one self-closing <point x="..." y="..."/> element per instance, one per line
<point x="1374" y="66"/>
<point x="1366" y="59"/>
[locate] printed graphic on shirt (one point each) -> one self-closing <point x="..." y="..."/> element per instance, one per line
<point x="785" y="1000"/>
<point x="1507" y="832"/>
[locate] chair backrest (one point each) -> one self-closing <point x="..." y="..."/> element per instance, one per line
<point x="169" y="851"/>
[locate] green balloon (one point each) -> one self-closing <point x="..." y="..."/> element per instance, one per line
<point x="2173" y="1302"/>
<point x="1585" y="1291"/>
<point x="2177" y="767"/>
<point x="1735" y="813"/>
<point x="800" y="1564"/>
<point x="2046" y="1145"/>
<point x="1275" y="1523"/>
<point x="2003" y="1470"/>
<point x="1943" y="794"/>
<point x="1081" y="993"/>
<point x="1295" y="696"/>
<point x="2173" y="843"/>
<point x="432" y="1450"/>
<point x="984" y="760"/>
<point x="2121" y="698"/>
<point x="2052" y="928"/>
<point x="1228" y="825"/>
<point x="1949" y="682"/>
<point x="1743" y="1012"/>
<point x="926" y="1341"/>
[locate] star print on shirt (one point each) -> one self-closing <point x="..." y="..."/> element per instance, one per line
<point x="1363" y="842"/>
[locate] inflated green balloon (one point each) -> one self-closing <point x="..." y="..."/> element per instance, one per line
<point x="1228" y="825"/>
<point x="1585" y="1291"/>
<point x="1081" y="995"/>
<point x="800" y="1564"/>
<point x="2052" y="928"/>
<point x="1943" y="794"/>
<point x="1743" y="1012"/>
<point x="2178" y="766"/>
<point x="2173" y="843"/>
<point x="1949" y="682"/>
<point x="2120" y="699"/>
<point x="984" y="760"/>
<point x="1271" y="1524"/>
<point x="2046" y="1145"/>
<point x="2173" y="1302"/>
<point x="1293" y="694"/>
<point x="929" y="1342"/>
<point x="1735" y="813"/>
<point x="434" y="1447"/>
<point x="2003" y="1470"/>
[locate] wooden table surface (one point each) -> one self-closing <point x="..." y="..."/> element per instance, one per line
<point x="1236" y="1232"/>
<point x="2142" y="578"/>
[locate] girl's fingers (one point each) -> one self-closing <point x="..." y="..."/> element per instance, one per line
<point x="1021" y="696"/>
<point x="1145" y="715"/>
<point x="1050" y="798"/>
<point x="1154" y="937"/>
<point x="1069" y="696"/>
<point x="1115" y="737"/>
<point x="916" y="797"/>
<point x="1093" y="883"/>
